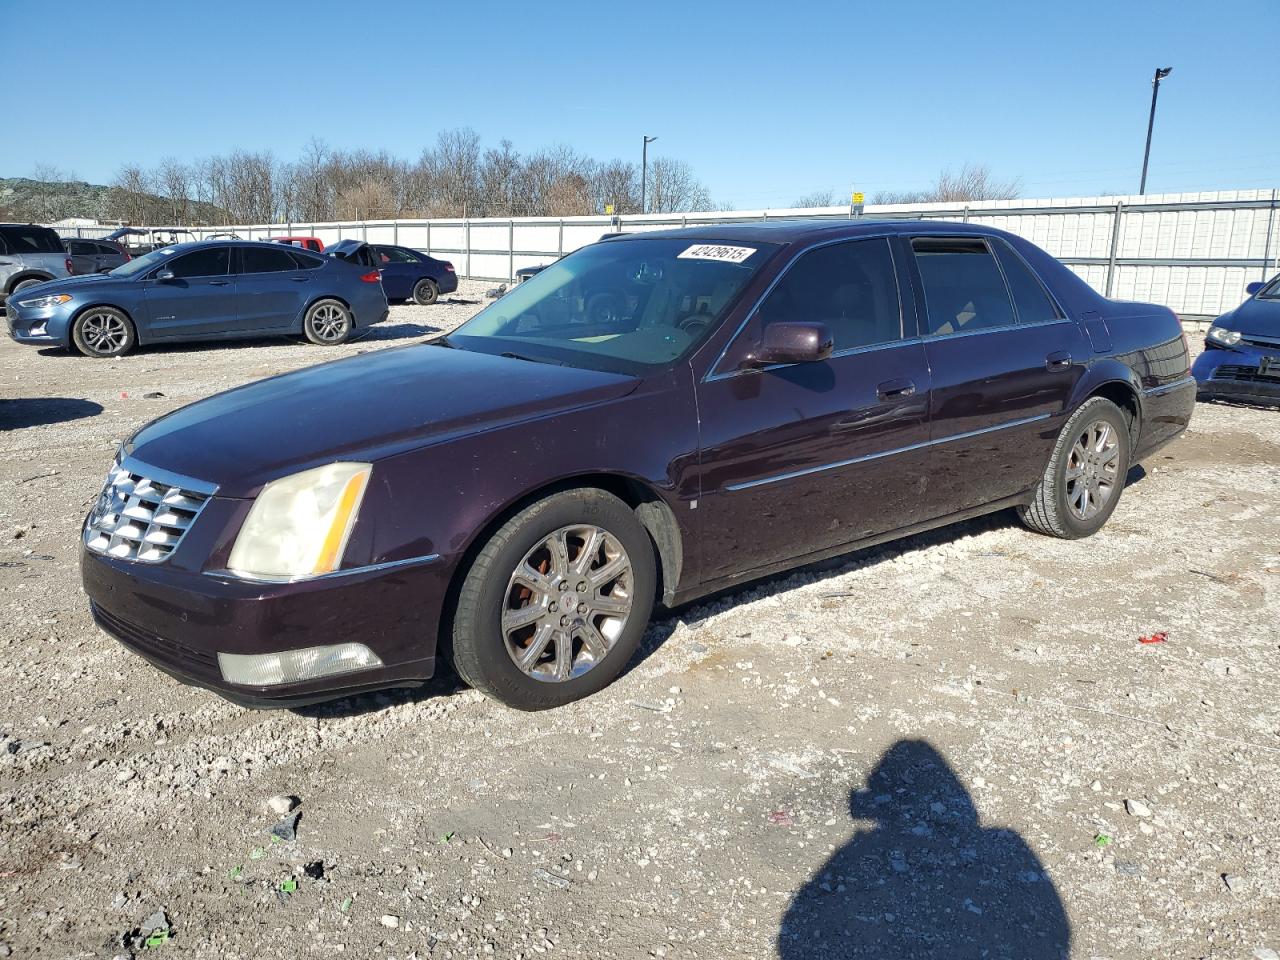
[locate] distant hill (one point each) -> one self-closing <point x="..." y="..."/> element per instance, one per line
<point x="42" y="201"/>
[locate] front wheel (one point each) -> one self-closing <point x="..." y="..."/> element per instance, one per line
<point x="327" y="323"/>
<point x="556" y="602"/>
<point x="103" y="332"/>
<point x="425" y="292"/>
<point x="1085" y="476"/>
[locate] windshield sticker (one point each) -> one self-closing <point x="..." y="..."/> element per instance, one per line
<point x="716" y="251"/>
<point x="167" y="253"/>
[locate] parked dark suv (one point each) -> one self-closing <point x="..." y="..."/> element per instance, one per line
<point x="29" y="255"/>
<point x="517" y="496"/>
<point x="94" y="256"/>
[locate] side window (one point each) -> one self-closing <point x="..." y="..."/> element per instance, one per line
<point x="79" y="248"/>
<point x="107" y="250"/>
<point x="963" y="287"/>
<point x="23" y="239"/>
<point x="305" y="260"/>
<point x="1029" y="296"/>
<point x="266" y="260"/>
<point x="397" y="256"/>
<point x="210" y="262"/>
<point x="851" y="287"/>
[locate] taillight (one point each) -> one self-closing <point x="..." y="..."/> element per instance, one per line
<point x="372" y="277"/>
<point x="70" y="266"/>
<point x="449" y="267"/>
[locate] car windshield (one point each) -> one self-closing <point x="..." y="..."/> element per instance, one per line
<point x="142" y="264"/>
<point x="621" y="306"/>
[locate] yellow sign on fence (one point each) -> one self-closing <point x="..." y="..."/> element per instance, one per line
<point x="857" y="198"/>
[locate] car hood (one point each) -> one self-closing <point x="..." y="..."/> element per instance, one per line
<point x="1258" y="317"/>
<point x="363" y="408"/>
<point x="73" y="284"/>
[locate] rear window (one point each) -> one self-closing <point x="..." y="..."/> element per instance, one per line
<point x="31" y="240"/>
<point x="1029" y="297"/>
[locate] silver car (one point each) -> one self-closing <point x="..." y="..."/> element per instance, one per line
<point x="29" y="255"/>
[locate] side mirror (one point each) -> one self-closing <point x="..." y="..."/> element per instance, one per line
<point x="792" y="343"/>
<point x="1254" y="287"/>
<point x="165" y="275"/>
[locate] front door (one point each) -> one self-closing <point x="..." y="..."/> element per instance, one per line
<point x="800" y="458"/>
<point x="400" y="271"/>
<point x="199" y="299"/>
<point x="1005" y="361"/>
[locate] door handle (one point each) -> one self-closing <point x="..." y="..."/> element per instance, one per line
<point x="895" y="389"/>
<point x="1061" y="360"/>
<point x="218" y="283"/>
<point x="299" y="279"/>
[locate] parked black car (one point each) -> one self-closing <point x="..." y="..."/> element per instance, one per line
<point x="518" y="495"/>
<point x="94" y="256"/>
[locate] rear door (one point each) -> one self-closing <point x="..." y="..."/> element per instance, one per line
<point x="797" y="458"/>
<point x="199" y="300"/>
<point x="108" y="256"/>
<point x="400" y="270"/>
<point x="1004" y="360"/>
<point x="271" y="289"/>
<point x="83" y="255"/>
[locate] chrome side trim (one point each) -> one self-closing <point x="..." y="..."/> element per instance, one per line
<point x="1166" y="387"/>
<point x="348" y="572"/>
<point x="734" y="487"/>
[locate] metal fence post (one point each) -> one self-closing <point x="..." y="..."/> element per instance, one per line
<point x="428" y="238"/>
<point x="467" y="226"/>
<point x="395" y="233"/>
<point x="560" y="239"/>
<point x="1271" y="222"/>
<point x="1115" y="245"/>
<point x="966" y="213"/>
<point x="511" y="249"/>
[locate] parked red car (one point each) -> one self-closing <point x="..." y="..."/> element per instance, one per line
<point x="306" y="243"/>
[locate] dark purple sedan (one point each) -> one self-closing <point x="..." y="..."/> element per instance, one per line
<point x="651" y="419"/>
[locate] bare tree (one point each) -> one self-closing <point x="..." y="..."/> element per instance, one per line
<point x="618" y="183"/>
<point x="673" y="188"/>
<point x="818" y="198"/>
<point x="48" y="202"/>
<point x="174" y="182"/>
<point x="131" y="195"/>
<point x="972" y="182"/>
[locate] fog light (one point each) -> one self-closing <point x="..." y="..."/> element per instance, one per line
<point x="38" y="329"/>
<point x="293" y="666"/>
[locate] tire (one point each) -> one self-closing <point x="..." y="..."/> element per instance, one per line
<point x="103" y="332"/>
<point x="425" y="292"/>
<point x="572" y="663"/>
<point x="1057" y="508"/>
<point x="328" y="323"/>
<point x="24" y="284"/>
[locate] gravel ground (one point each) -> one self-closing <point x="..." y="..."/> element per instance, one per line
<point x="955" y="745"/>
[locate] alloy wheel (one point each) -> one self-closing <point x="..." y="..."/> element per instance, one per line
<point x="567" y="603"/>
<point x="329" y="322"/>
<point x="1092" y="470"/>
<point x="104" y="332"/>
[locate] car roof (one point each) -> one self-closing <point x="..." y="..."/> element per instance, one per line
<point x="801" y="230"/>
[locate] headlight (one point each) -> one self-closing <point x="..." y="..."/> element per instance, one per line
<point x="298" y="526"/>
<point x="50" y="301"/>
<point x="1228" y="338"/>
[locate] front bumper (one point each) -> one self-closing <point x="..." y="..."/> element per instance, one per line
<point x="46" y="326"/>
<point x="1237" y="375"/>
<point x="180" y="620"/>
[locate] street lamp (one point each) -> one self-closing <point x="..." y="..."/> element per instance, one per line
<point x="1161" y="73"/>
<point x="644" y="170"/>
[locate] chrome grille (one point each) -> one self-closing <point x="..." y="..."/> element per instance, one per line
<point x="140" y="518"/>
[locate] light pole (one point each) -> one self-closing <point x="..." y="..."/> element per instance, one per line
<point x="1161" y="73"/>
<point x="644" y="171"/>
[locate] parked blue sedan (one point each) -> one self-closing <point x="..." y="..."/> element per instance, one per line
<point x="410" y="275"/>
<point x="210" y="290"/>
<point x="1241" y="359"/>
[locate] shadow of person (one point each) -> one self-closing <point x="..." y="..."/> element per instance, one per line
<point x="927" y="880"/>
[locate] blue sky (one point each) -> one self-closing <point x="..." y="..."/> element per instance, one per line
<point x="767" y="101"/>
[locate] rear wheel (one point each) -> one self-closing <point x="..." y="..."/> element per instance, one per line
<point x="425" y="292"/>
<point x="327" y="323"/>
<point x="103" y="332"/>
<point x="1085" y="476"/>
<point x="556" y="602"/>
